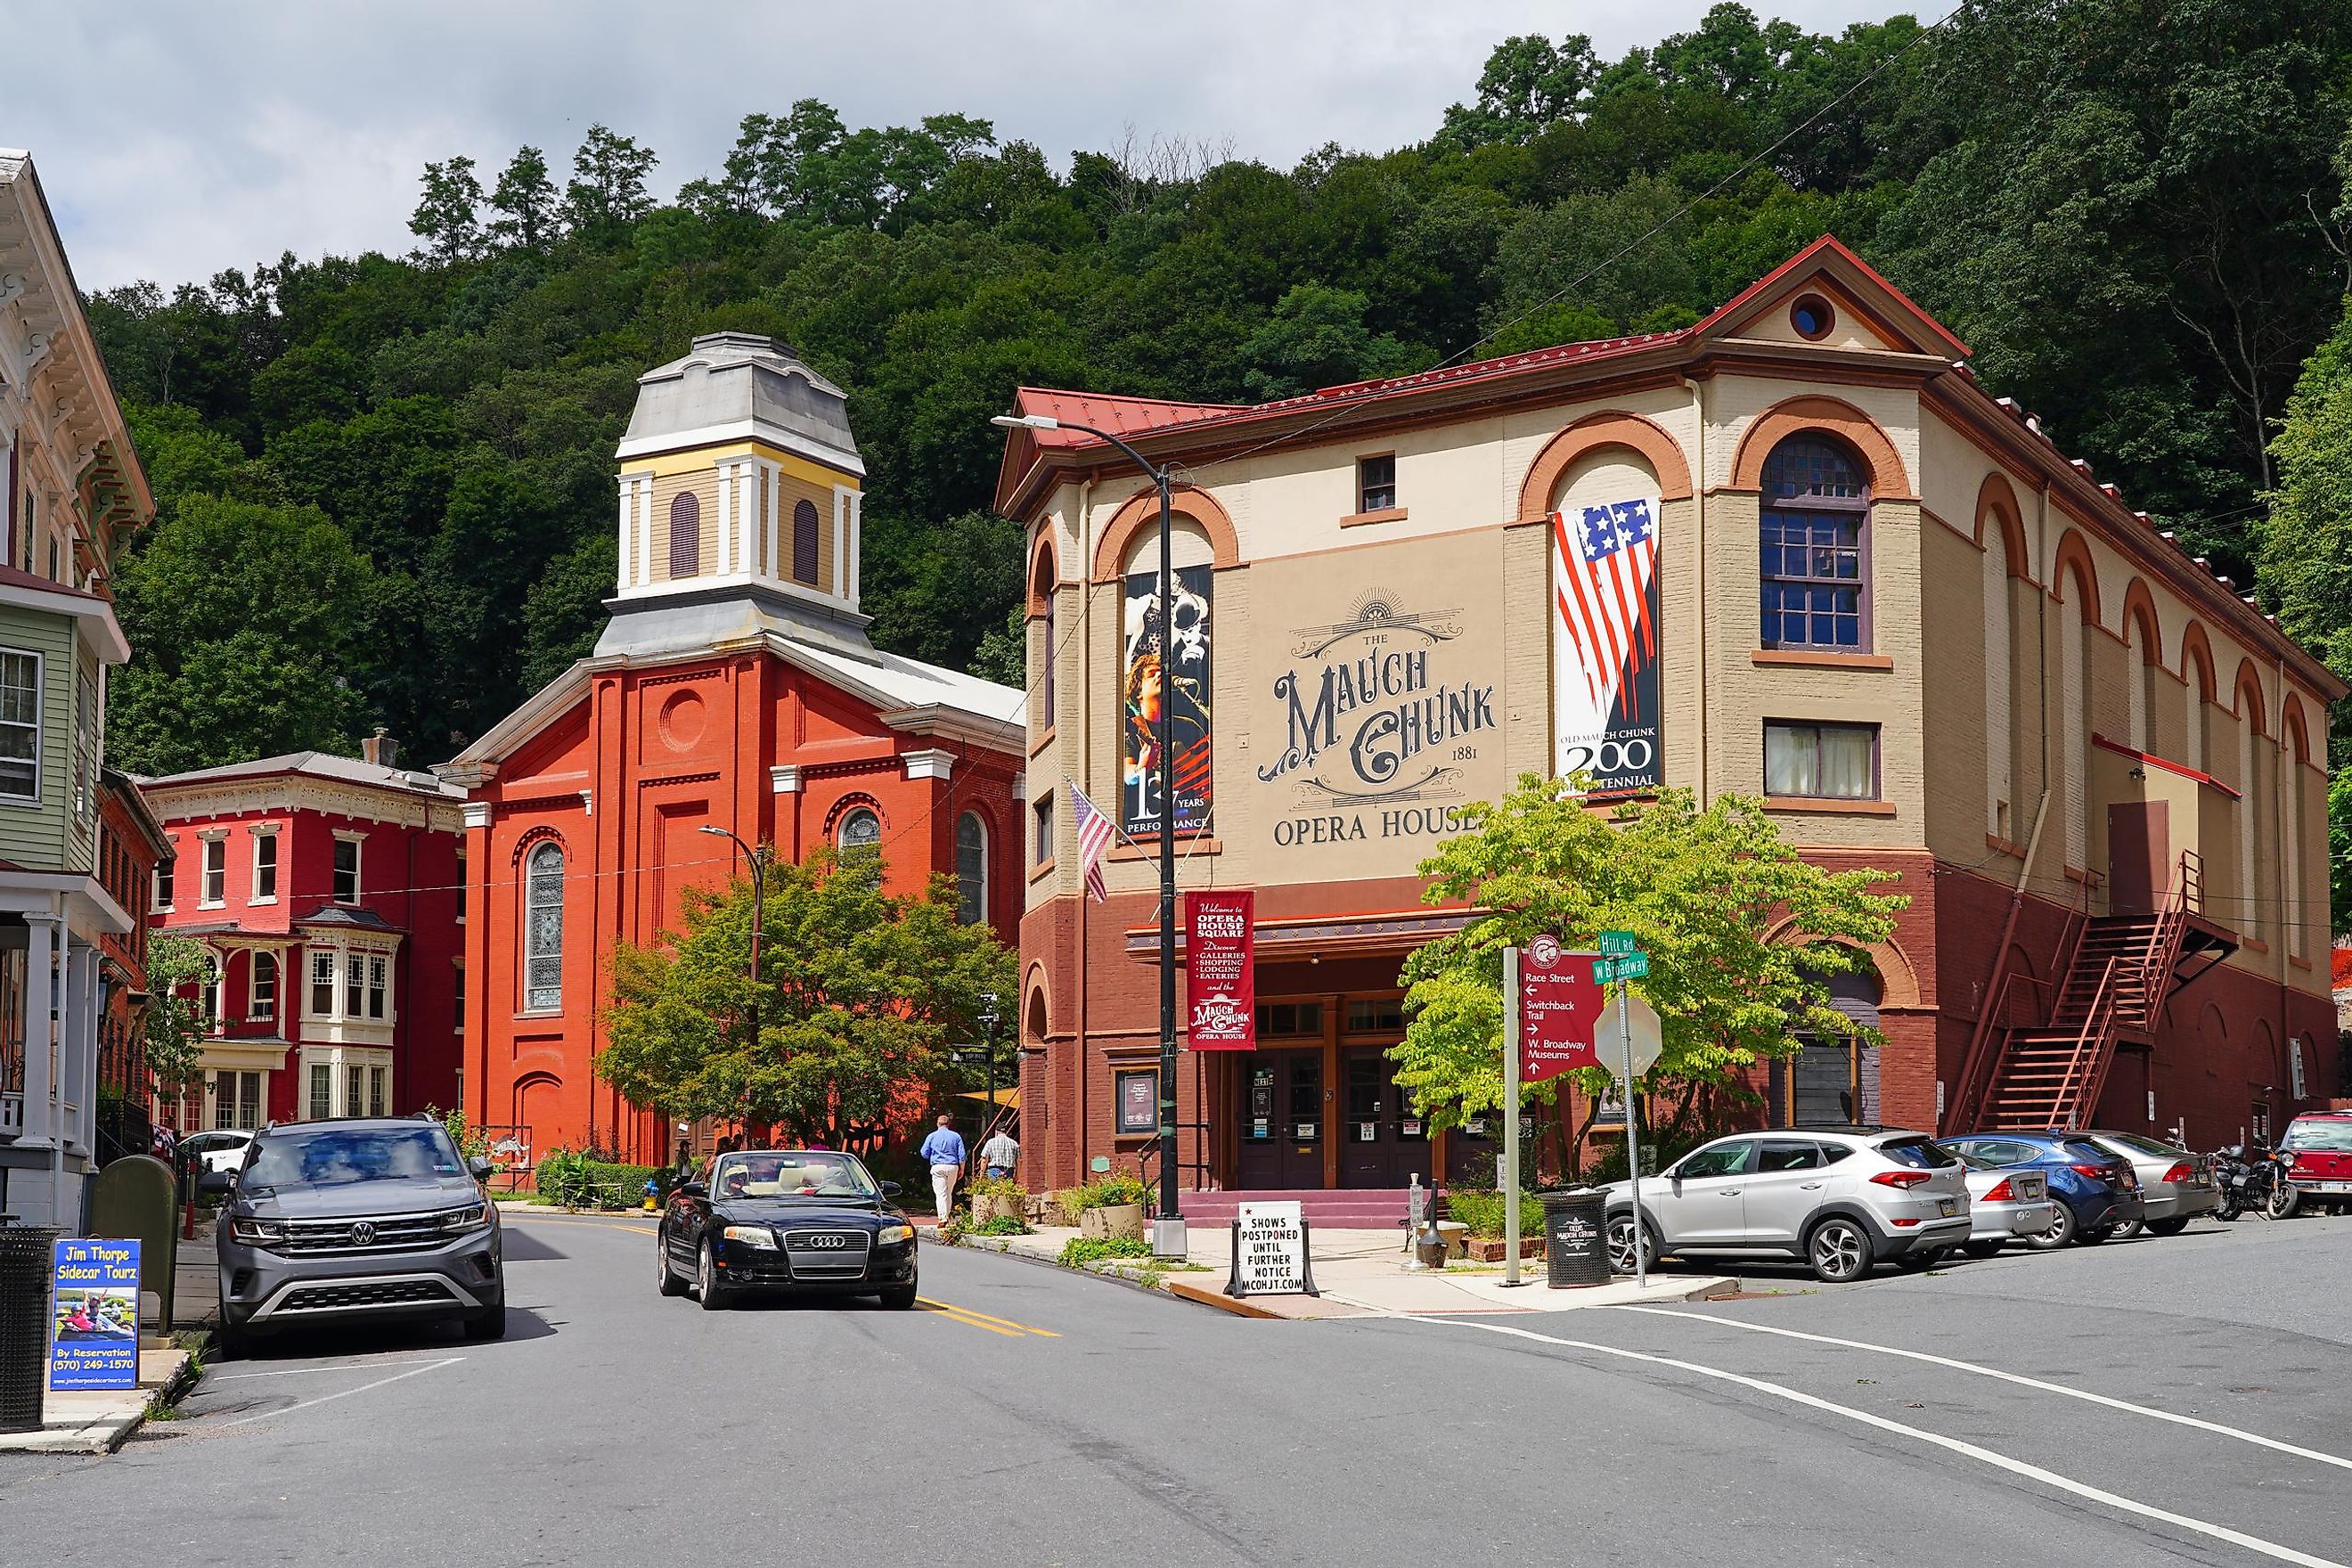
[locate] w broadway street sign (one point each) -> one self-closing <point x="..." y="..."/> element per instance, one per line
<point x="1631" y="966"/>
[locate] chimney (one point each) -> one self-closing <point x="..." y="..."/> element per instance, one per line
<point x="381" y="748"/>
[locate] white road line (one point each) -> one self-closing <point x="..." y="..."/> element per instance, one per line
<point x="303" y="1371"/>
<point x="2338" y="1460"/>
<point x="346" y="1393"/>
<point x="1984" y="1456"/>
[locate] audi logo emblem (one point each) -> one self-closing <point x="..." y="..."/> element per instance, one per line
<point x="363" y="1234"/>
<point x="833" y="1240"/>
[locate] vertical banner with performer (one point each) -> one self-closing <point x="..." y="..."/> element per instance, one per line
<point x="1605" y="644"/>
<point x="1180" y="640"/>
<point x="1220" y="971"/>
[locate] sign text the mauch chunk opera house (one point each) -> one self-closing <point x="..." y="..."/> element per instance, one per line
<point x="1378" y="712"/>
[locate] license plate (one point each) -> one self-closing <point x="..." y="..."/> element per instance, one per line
<point x="1948" y="1208"/>
<point x="2333" y="1186"/>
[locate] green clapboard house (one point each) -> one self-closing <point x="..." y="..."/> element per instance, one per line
<point x="73" y="490"/>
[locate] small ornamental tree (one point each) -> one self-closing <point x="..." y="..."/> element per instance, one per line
<point x="1739" y="930"/>
<point x="859" y="995"/>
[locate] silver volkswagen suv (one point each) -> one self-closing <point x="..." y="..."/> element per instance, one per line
<point x="1841" y="1199"/>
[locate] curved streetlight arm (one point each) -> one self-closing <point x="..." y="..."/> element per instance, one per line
<point x="1047" y="422"/>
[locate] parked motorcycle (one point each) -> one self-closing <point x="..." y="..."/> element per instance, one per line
<point x="2253" y="1182"/>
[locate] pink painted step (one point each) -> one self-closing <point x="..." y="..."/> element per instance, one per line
<point x="1350" y="1208"/>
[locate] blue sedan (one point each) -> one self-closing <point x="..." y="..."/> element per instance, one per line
<point x="2096" y="1191"/>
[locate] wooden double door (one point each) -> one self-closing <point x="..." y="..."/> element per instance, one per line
<point x="1286" y="1118"/>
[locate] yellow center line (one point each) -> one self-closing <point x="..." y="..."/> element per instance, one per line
<point x="1002" y="1325"/>
<point x="951" y="1315"/>
<point x="615" y="1223"/>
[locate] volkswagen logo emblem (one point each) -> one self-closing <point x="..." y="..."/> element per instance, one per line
<point x="363" y="1234"/>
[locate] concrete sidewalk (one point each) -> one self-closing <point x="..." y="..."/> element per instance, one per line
<point x="98" y="1422"/>
<point x="1361" y="1273"/>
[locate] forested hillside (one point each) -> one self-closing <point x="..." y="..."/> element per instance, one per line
<point x="386" y="480"/>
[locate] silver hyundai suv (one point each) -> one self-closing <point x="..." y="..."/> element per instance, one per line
<point x="1841" y="1199"/>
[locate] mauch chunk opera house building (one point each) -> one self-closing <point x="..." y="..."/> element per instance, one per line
<point x="734" y="687"/>
<point x="1794" y="552"/>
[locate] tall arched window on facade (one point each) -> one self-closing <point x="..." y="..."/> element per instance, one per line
<point x="263" y="1000"/>
<point x="971" y="868"/>
<point x="1814" y="581"/>
<point x="804" y="523"/>
<point x="685" y="535"/>
<point x="542" y="928"/>
<point x="859" y="840"/>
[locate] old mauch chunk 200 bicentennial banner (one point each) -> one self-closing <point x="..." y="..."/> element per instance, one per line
<point x="1179" y="641"/>
<point x="1604" y="578"/>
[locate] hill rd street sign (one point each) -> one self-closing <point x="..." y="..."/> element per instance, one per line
<point x="1617" y="944"/>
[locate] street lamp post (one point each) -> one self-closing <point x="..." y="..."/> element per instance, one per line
<point x="1167" y="1238"/>
<point x="756" y="855"/>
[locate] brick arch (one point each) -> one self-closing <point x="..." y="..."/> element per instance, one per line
<point x="2139" y="608"/>
<point x="1036" y="1005"/>
<point x="1830" y="416"/>
<point x="1043" y="576"/>
<point x="2073" y="555"/>
<point x="532" y="838"/>
<point x="848" y="802"/>
<point x="2197" y="649"/>
<point x="2294" y="729"/>
<point x="1997" y="503"/>
<point x="1143" y="510"/>
<point x="2250" y="683"/>
<point x="1613" y="428"/>
<point x="1898" y="978"/>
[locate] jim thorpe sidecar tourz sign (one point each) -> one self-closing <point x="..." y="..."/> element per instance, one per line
<point x="94" y="1300"/>
<point x="1220" y="971"/>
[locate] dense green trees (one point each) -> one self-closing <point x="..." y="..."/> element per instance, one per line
<point x="2134" y="212"/>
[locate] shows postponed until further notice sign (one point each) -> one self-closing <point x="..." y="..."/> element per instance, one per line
<point x="1270" y="1252"/>
<point x="1220" y="970"/>
<point x="1558" y="1005"/>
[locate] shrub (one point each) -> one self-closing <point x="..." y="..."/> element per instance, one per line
<point x="577" y="1181"/>
<point x="1081" y="1250"/>
<point x="999" y="1187"/>
<point x="1482" y="1212"/>
<point x="1002" y="1224"/>
<point x="1110" y="1191"/>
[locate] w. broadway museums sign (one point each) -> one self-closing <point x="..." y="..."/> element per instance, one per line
<point x="1376" y="712"/>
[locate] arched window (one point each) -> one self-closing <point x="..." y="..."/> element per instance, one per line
<point x="805" y="543"/>
<point x="971" y="868"/>
<point x="1832" y="1080"/>
<point x="861" y="829"/>
<point x="264" y="987"/>
<point x="1814" y="587"/>
<point x="685" y="535"/>
<point x="542" y="931"/>
<point x="208" y="995"/>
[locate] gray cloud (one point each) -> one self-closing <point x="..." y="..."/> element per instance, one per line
<point x="175" y="140"/>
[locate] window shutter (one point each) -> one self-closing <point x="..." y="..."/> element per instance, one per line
<point x="805" y="543"/>
<point x="685" y="535"/>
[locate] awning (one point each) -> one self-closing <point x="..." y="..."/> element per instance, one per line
<point x="1009" y="1097"/>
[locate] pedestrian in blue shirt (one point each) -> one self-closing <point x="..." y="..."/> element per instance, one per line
<point x="943" y="1151"/>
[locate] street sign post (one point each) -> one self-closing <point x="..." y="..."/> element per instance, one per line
<point x="1637" y="1043"/>
<point x="1550" y="1010"/>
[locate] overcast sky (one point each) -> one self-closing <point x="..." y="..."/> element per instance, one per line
<point x="174" y="139"/>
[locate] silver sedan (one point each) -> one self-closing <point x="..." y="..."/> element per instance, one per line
<point x="2176" y="1185"/>
<point x="2006" y="1203"/>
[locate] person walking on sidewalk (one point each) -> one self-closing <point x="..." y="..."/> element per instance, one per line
<point x="943" y="1151"/>
<point x="999" y="1155"/>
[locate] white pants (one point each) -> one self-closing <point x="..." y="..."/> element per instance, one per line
<point x="943" y="1180"/>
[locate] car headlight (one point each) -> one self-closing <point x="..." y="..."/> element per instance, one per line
<point x="892" y="1235"/>
<point x="752" y="1235"/>
<point x="257" y="1232"/>
<point x="473" y="1218"/>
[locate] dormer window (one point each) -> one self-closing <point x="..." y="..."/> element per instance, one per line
<point x="685" y="535"/>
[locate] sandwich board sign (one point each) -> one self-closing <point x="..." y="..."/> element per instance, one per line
<point x="94" y="1300"/>
<point x="1270" y="1252"/>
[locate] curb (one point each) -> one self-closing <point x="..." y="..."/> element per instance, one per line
<point x="1181" y="1289"/>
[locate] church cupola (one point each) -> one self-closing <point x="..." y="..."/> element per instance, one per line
<point x="740" y="479"/>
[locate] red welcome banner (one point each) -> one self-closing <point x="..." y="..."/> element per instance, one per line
<point x="1221" y="970"/>
<point x="1559" y="1002"/>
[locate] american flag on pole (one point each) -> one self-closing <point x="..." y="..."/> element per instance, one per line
<point x="1094" y="838"/>
<point x="1607" y="557"/>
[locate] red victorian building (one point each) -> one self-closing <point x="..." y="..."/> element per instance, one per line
<point x="329" y="893"/>
<point x="734" y="687"/>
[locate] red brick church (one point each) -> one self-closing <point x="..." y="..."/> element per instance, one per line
<point x="735" y="685"/>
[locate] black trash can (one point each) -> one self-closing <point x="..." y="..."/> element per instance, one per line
<point x="1576" y="1239"/>
<point x="25" y="1253"/>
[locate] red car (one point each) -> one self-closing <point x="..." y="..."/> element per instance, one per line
<point x="2318" y="1145"/>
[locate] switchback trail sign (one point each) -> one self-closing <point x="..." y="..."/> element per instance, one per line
<point x="1270" y="1252"/>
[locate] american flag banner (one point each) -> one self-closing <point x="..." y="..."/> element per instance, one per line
<point x="1095" y="833"/>
<point x="1605" y="643"/>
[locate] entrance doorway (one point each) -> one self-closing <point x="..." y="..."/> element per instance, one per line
<point x="1282" y="1130"/>
<point x="1384" y="1141"/>
<point x="2139" y="855"/>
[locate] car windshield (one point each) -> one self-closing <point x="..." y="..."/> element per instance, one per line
<point x="790" y="1173"/>
<point x="338" y="1156"/>
<point x="1921" y="1154"/>
<point x="2331" y="1136"/>
<point x="1976" y="1158"/>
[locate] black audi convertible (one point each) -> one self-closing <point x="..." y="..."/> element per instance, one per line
<point x="797" y="1221"/>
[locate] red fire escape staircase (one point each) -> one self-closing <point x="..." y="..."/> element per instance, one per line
<point x="2119" y="973"/>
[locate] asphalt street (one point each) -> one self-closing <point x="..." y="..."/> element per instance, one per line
<point x="2168" y="1401"/>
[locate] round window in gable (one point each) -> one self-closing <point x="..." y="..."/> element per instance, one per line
<point x="1812" y="317"/>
